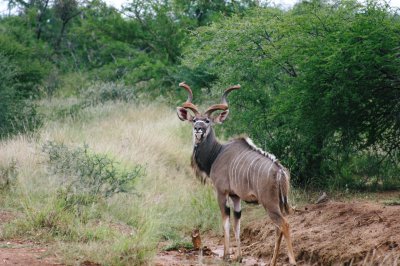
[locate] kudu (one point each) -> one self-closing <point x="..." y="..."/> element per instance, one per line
<point x="239" y="170"/>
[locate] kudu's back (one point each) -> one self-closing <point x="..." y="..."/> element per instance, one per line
<point x="252" y="174"/>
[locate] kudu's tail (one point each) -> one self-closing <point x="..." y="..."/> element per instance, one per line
<point x="284" y="186"/>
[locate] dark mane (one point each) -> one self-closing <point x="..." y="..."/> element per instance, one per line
<point x="204" y="155"/>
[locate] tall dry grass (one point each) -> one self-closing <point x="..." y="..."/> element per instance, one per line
<point x="125" y="229"/>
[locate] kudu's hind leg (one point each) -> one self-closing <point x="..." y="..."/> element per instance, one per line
<point x="237" y="211"/>
<point x="225" y="212"/>
<point x="286" y="233"/>
<point x="282" y="229"/>
<point x="278" y="240"/>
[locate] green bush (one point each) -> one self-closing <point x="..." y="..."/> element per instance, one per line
<point x="17" y="114"/>
<point x="28" y="60"/>
<point x="96" y="93"/>
<point x="368" y="170"/>
<point x="8" y="174"/>
<point x="100" y="92"/>
<point x="86" y="176"/>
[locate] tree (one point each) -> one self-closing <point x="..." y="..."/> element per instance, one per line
<point x="38" y="8"/>
<point x="204" y="12"/>
<point x="16" y="114"/>
<point x="320" y="83"/>
<point x="65" y="10"/>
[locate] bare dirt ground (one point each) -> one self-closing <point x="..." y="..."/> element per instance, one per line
<point x="332" y="233"/>
<point x="23" y="252"/>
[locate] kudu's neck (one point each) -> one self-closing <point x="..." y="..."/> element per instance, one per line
<point x="206" y="152"/>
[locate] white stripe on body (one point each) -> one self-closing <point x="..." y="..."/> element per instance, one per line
<point x="248" y="170"/>
<point x="268" y="155"/>
<point x="258" y="175"/>
<point x="239" y="178"/>
<point x="279" y="185"/>
<point x="232" y="166"/>
<point x="235" y="165"/>
<point x="269" y="169"/>
<point x="254" y="175"/>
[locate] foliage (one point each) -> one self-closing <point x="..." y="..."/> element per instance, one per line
<point x="27" y="56"/>
<point x="86" y="176"/>
<point x="23" y="67"/>
<point x="16" y="113"/>
<point x="8" y="174"/>
<point x="202" y="13"/>
<point x="94" y="94"/>
<point x="320" y="82"/>
<point x="102" y="92"/>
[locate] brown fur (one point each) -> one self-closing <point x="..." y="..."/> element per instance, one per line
<point x="239" y="170"/>
<point x="242" y="170"/>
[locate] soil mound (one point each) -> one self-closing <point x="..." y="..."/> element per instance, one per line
<point x="333" y="233"/>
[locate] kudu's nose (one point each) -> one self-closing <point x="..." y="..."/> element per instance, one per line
<point x="199" y="126"/>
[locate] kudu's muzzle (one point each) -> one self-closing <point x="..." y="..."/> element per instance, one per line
<point x="199" y="130"/>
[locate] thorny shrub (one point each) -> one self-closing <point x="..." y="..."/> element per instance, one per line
<point x="87" y="176"/>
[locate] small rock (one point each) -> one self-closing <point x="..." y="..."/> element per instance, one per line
<point x="322" y="198"/>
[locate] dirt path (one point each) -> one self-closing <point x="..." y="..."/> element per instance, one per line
<point x="333" y="233"/>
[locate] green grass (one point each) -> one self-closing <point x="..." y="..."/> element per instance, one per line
<point x="122" y="228"/>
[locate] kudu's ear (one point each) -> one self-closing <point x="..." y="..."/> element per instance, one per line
<point x="219" y="119"/>
<point x="184" y="114"/>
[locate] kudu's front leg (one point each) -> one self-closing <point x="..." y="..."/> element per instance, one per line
<point x="225" y="212"/>
<point x="237" y="212"/>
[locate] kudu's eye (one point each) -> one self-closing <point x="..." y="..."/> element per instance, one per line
<point x="207" y="121"/>
<point x="194" y="120"/>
